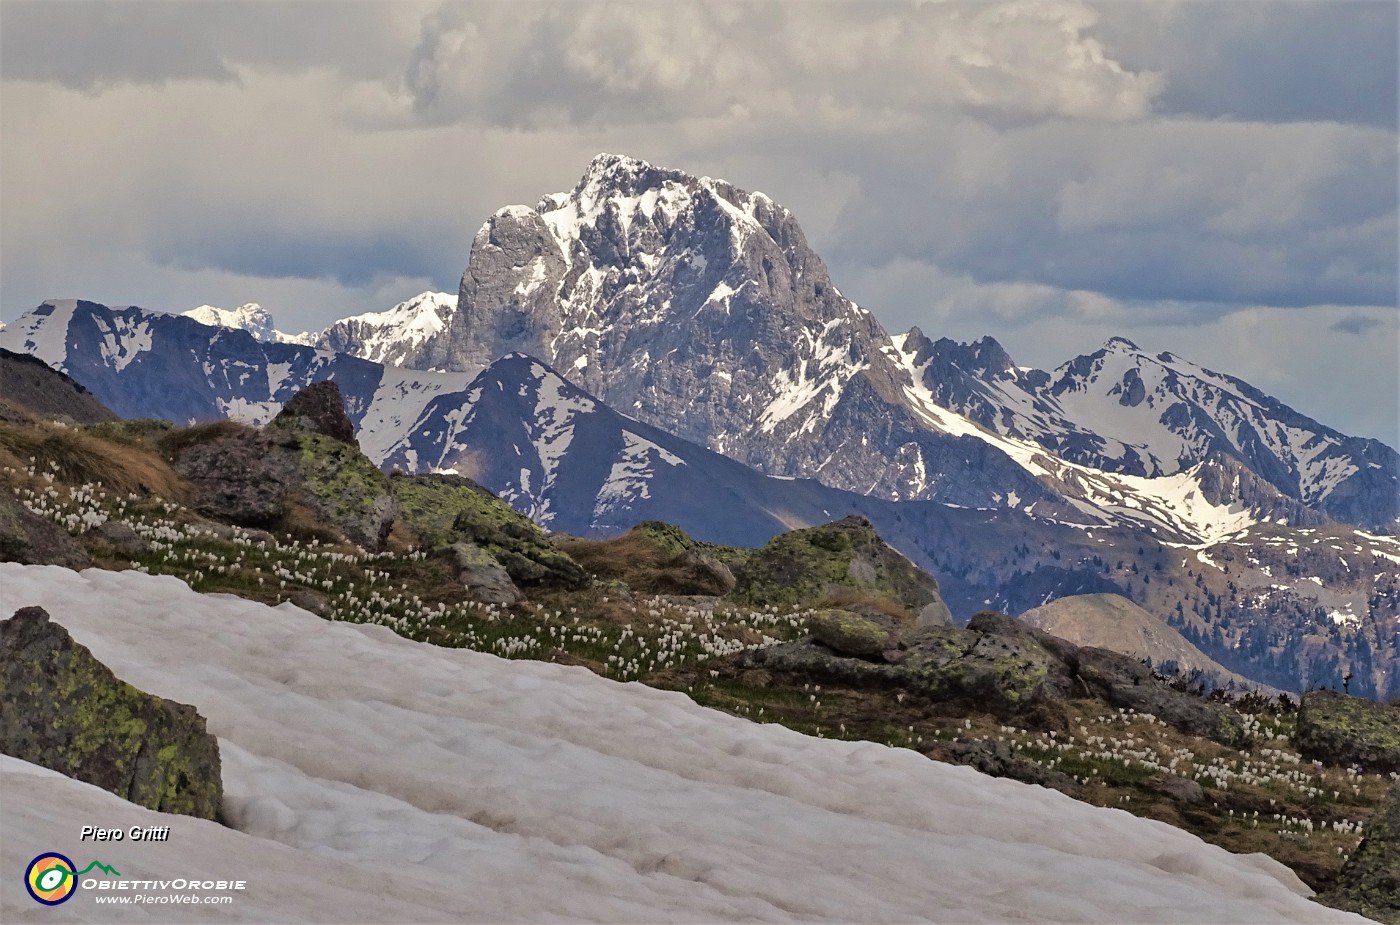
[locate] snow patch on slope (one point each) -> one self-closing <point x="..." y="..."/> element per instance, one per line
<point x="471" y="788"/>
<point x="1173" y="503"/>
<point x="398" y="404"/>
<point x="43" y="332"/>
<point x="631" y="472"/>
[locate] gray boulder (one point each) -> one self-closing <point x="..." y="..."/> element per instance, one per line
<point x="484" y="578"/>
<point x="122" y="538"/>
<point x="64" y="710"/>
<point x="27" y="538"/>
<point x="238" y="477"/>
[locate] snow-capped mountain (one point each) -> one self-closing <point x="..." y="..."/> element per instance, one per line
<point x="698" y="307"/>
<point x="392" y="336"/>
<point x="252" y="318"/>
<point x="1121" y="409"/>
<point x="147" y="364"/>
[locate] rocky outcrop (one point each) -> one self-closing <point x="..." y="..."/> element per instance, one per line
<point x="1370" y="880"/>
<point x="999" y="759"/>
<point x="997" y="664"/>
<point x="1123" y="681"/>
<point x="446" y="510"/>
<point x="63" y="709"/>
<point x="318" y="408"/>
<point x="485" y="579"/>
<point x="835" y="559"/>
<point x="236" y="475"/>
<point x="33" y="540"/>
<point x="1348" y="731"/>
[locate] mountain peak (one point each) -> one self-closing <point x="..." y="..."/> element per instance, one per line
<point x="250" y="317"/>
<point x="1121" y="345"/>
<point x="620" y="173"/>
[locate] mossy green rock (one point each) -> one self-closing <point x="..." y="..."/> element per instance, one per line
<point x="850" y="633"/>
<point x="1348" y="731"/>
<point x="482" y="575"/>
<point x="345" y="488"/>
<point x="807" y="564"/>
<point x="446" y="509"/>
<point x="1370" y="881"/>
<point x="64" y="710"/>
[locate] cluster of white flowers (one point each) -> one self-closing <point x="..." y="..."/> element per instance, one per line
<point x="360" y="587"/>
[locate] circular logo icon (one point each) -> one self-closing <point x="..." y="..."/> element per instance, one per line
<point x="50" y="879"/>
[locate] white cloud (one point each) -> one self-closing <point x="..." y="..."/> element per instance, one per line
<point x="618" y="63"/>
<point x="979" y="168"/>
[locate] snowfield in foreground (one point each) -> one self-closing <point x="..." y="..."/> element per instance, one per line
<point x="373" y="779"/>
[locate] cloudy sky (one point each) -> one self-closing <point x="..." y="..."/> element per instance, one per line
<point x="1217" y="179"/>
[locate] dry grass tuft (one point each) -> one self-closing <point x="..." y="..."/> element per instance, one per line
<point x="857" y="600"/>
<point x="176" y="441"/>
<point x="637" y="560"/>
<point x="76" y="458"/>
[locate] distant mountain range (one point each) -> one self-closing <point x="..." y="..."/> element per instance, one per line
<point x="699" y="308"/>
<point x="652" y="345"/>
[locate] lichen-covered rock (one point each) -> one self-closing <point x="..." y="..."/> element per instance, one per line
<point x="345" y="489"/>
<point x="33" y="540"/>
<point x="445" y="509"/>
<point x="1370" y="880"/>
<point x="847" y="633"/>
<point x="319" y="408"/>
<point x="483" y="577"/>
<point x="998" y="664"/>
<point x="63" y="709"/>
<point x="1348" y="731"/>
<point x="845" y="555"/>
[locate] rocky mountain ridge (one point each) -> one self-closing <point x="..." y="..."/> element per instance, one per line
<point x="699" y="307"/>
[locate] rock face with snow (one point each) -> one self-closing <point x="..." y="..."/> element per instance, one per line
<point x="408" y="330"/>
<point x="699" y="307"/>
<point x="1122" y="409"/>
<point x="63" y="709"/>
<point x="250" y="317"/>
